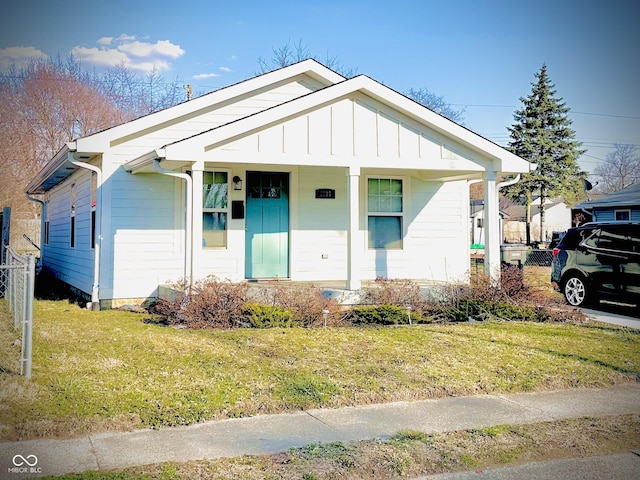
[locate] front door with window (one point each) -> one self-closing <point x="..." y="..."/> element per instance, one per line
<point x="267" y="225"/>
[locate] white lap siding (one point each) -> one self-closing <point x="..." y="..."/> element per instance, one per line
<point x="73" y="266"/>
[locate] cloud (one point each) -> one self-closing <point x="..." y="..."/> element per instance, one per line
<point x="203" y="76"/>
<point x="130" y="52"/>
<point x="225" y="69"/>
<point x="18" y="57"/>
<point x="105" y="41"/>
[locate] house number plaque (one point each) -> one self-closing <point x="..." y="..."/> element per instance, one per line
<point x="325" y="193"/>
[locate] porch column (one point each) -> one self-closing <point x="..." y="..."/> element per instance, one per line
<point x="196" y="222"/>
<point x="354" y="243"/>
<point x="491" y="228"/>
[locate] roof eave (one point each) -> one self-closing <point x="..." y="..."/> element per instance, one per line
<point x="38" y="185"/>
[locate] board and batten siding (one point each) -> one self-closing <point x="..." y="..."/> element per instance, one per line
<point x="359" y="128"/>
<point x="147" y="235"/>
<point x="73" y="266"/>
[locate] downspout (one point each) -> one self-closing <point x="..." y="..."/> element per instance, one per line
<point x="43" y="213"/>
<point x="188" y="255"/>
<point x="95" y="290"/>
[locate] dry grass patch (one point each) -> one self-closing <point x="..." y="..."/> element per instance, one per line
<point x="97" y="371"/>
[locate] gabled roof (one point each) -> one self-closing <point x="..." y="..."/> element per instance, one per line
<point x="627" y="197"/>
<point x="208" y="102"/>
<point x="60" y="167"/>
<point x="336" y="87"/>
<point x="196" y="145"/>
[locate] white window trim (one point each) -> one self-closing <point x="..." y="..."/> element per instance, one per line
<point x="403" y="215"/>
<point x="73" y="227"/>
<point x="226" y="210"/>
<point x="624" y="210"/>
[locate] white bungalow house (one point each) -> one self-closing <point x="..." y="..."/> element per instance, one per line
<point x="295" y="174"/>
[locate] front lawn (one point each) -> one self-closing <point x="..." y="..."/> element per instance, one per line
<point x="109" y="370"/>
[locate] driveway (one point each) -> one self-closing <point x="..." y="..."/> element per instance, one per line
<point x="616" y="314"/>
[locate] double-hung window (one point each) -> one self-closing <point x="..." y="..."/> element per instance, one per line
<point x="385" y="209"/>
<point x="46" y="222"/>
<point x="215" y="209"/>
<point x="94" y="193"/>
<point x="72" y="219"/>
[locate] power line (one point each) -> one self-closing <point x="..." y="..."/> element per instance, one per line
<point x="632" y="117"/>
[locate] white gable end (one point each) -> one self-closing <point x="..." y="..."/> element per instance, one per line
<point x="359" y="127"/>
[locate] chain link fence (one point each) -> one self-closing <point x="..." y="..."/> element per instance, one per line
<point x="539" y="257"/>
<point x="17" y="285"/>
<point x="515" y="254"/>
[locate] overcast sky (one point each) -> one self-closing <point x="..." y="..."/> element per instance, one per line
<point x="479" y="55"/>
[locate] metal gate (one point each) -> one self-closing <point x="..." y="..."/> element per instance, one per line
<point x="17" y="284"/>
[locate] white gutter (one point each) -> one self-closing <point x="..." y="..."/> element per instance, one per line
<point x="507" y="183"/>
<point x="188" y="254"/>
<point x="95" y="289"/>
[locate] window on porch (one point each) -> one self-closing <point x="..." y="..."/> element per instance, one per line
<point x="215" y="209"/>
<point x="385" y="213"/>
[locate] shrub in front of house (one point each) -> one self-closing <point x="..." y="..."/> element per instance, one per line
<point x="307" y="304"/>
<point x="269" y="316"/>
<point x="402" y="293"/>
<point x="379" y="315"/>
<point x="480" y="299"/>
<point x="210" y="303"/>
<point x="223" y="304"/>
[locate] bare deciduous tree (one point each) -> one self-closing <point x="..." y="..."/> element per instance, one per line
<point x="42" y="106"/>
<point x="436" y="103"/>
<point x="621" y="168"/>
<point x="290" y="53"/>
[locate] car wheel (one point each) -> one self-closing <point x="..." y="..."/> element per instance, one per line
<point x="575" y="291"/>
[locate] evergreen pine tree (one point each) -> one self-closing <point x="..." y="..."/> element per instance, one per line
<point x="542" y="135"/>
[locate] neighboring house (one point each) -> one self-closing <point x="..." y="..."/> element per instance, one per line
<point x="619" y="206"/>
<point x="295" y="174"/>
<point x="477" y="223"/>
<point x="557" y="219"/>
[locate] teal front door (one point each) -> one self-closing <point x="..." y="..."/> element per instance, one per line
<point x="267" y="225"/>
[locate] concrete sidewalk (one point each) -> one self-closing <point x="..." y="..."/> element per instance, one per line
<point x="276" y="433"/>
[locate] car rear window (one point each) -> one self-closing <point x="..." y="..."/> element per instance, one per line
<point x="572" y="238"/>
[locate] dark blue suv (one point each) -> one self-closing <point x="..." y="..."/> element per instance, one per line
<point x="598" y="261"/>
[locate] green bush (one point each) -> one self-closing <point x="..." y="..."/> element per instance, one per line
<point x="379" y="315"/>
<point x="269" y="316"/>
<point x="481" y="309"/>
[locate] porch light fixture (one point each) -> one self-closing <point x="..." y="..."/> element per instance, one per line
<point x="237" y="183"/>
